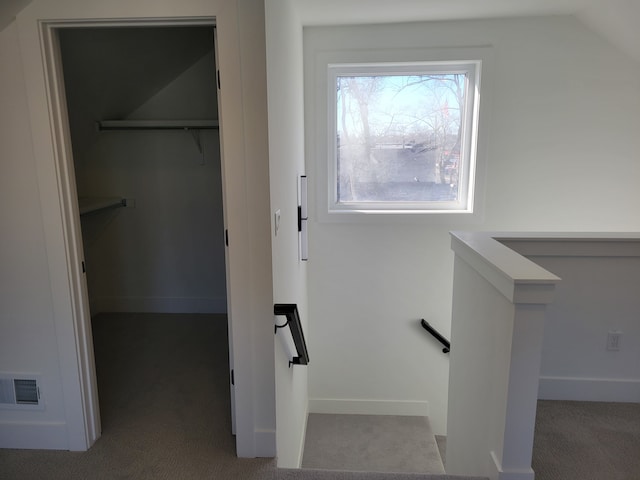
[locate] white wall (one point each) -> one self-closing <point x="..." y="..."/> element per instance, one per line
<point x="27" y="335"/>
<point x="251" y="22"/>
<point x="286" y="152"/>
<point x="561" y="156"/>
<point x="597" y="295"/>
<point x="244" y="137"/>
<point x="166" y="252"/>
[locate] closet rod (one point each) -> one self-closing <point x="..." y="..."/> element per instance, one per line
<point x="157" y="124"/>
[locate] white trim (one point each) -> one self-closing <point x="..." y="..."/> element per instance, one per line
<point x="589" y="389"/>
<point x="265" y="443"/>
<point x="568" y="246"/>
<point x="415" y="408"/>
<point x="80" y="390"/>
<point x="81" y="395"/>
<point x="34" y="435"/>
<point x="303" y="439"/>
<point x="516" y="277"/>
<point x="134" y="22"/>
<point x="498" y="473"/>
<point x="159" y="304"/>
<point x="318" y="125"/>
<point x="58" y="201"/>
<point x="472" y="71"/>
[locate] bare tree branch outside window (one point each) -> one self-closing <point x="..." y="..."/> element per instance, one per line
<point x="399" y="137"/>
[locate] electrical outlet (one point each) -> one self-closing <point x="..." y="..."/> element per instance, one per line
<point x="613" y="341"/>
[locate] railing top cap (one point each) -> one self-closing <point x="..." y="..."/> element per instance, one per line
<point x="488" y="248"/>
<point x="519" y="279"/>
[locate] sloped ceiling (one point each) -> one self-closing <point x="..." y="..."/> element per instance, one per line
<point x="9" y="9"/>
<point x="110" y="72"/>
<point x="615" y="20"/>
<point x="331" y="12"/>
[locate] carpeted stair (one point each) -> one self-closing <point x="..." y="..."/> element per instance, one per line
<point x="371" y="443"/>
<point x="304" y="474"/>
<point x="369" y="447"/>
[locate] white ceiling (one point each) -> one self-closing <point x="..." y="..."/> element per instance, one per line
<point x="330" y="12"/>
<point x="616" y="20"/>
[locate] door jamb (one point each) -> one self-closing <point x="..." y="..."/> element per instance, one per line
<point x="82" y="436"/>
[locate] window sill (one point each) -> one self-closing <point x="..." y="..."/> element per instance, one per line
<point x="424" y="217"/>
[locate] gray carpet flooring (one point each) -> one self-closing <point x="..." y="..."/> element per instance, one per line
<point x="164" y="399"/>
<point x="303" y="474"/>
<point x="587" y="441"/>
<point x="163" y="382"/>
<point x="375" y="443"/>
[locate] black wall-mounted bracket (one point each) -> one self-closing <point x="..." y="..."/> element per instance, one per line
<point x="300" y="218"/>
<point x="303" y="218"/>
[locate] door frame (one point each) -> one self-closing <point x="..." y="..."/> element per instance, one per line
<point x="69" y="196"/>
<point x="69" y="201"/>
<point x="255" y="426"/>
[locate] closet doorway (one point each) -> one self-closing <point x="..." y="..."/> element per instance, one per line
<point x="142" y="108"/>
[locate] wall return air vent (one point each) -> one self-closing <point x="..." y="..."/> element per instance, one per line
<point x="20" y="391"/>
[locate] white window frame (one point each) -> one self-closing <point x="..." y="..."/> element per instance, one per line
<point x="320" y="134"/>
<point x="464" y="204"/>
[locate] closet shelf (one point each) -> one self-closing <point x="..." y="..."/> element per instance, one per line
<point x="157" y="124"/>
<point x="93" y="204"/>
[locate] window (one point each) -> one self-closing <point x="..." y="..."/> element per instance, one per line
<point x="402" y="136"/>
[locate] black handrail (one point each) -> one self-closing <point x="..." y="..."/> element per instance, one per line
<point x="290" y="310"/>
<point x="437" y="335"/>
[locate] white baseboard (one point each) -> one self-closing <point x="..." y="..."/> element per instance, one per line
<point x="158" y="304"/>
<point x="290" y="454"/>
<point x="498" y="473"/>
<point x="369" y="407"/>
<point x="303" y="439"/>
<point x="265" y="443"/>
<point x="34" y="435"/>
<point x="589" y="389"/>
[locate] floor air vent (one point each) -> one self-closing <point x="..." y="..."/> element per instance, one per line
<point x="19" y="392"/>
